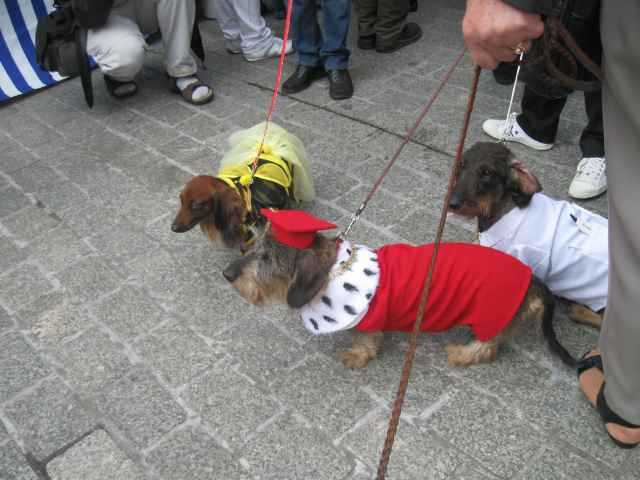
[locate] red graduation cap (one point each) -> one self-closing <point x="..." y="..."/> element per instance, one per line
<point x="295" y="228"/>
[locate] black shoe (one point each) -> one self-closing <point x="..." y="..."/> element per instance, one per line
<point x="340" y="84"/>
<point x="302" y="78"/>
<point x="411" y="33"/>
<point x="367" y="42"/>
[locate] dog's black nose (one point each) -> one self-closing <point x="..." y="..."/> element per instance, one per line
<point x="455" y="202"/>
<point x="231" y="273"/>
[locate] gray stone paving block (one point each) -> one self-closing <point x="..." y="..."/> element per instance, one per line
<point x="480" y="427"/>
<point x="330" y="124"/>
<point x="3" y="433"/>
<point x="562" y="409"/>
<point x="559" y="462"/>
<point x="415" y="455"/>
<point x="384" y="209"/>
<point x="470" y="472"/>
<point x="230" y="404"/>
<point x="92" y="361"/>
<point x="28" y="131"/>
<point x="632" y="466"/>
<point x="122" y="243"/>
<point x="176" y="353"/>
<point x="247" y="117"/>
<point x="270" y="456"/>
<point x="13" y="155"/>
<point x="22" y="285"/>
<point x="222" y="107"/>
<point x="96" y="457"/>
<point x="185" y="150"/>
<point x="88" y="279"/>
<point x="161" y="273"/>
<point x="191" y="454"/>
<point x="92" y="218"/>
<point x="52" y="318"/>
<point x="422" y="224"/>
<point x="141" y="407"/>
<point x="10" y="254"/>
<point x="201" y="127"/>
<point x="39" y="221"/>
<point x="245" y="342"/>
<point x="129" y="312"/>
<point x="331" y="183"/>
<point x="21" y="365"/>
<point x="13" y="464"/>
<point x="171" y="113"/>
<point x="11" y="200"/>
<point x="6" y="323"/>
<point x="58" y="249"/>
<point x="160" y="230"/>
<point x="62" y="195"/>
<point x="325" y="393"/>
<point x="154" y="133"/>
<point x="46" y="430"/>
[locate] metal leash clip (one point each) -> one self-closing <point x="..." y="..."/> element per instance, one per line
<point x="507" y="122"/>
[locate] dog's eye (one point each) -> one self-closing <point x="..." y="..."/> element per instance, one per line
<point x="265" y="257"/>
<point x="197" y="205"/>
<point x="485" y="172"/>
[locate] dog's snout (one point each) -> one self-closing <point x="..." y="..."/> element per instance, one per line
<point x="231" y="273"/>
<point x="455" y="202"/>
<point x="175" y="228"/>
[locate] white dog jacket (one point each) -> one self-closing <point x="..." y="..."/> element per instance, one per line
<point x="566" y="246"/>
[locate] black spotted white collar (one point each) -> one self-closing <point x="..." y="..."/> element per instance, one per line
<point x="345" y="301"/>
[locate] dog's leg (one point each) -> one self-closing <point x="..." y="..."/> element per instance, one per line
<point x="365" y="348"/>
<point x="471" y="353"/>
<point x="581" y="314"/>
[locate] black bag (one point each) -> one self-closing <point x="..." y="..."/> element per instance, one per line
<point x="61" y="38"/>
<point x="559" y="62"/>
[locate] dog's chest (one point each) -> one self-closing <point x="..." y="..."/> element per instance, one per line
<point x="352" y="284"/>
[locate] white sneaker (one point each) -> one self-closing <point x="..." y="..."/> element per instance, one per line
<point x="232" y="46"/>
<point x="272" y="51"/>
<point x="590" y="179"/>
<point x="512" y="132"/>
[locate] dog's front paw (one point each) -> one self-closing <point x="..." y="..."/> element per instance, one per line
<point x="458" y="355"/>
<point x="355" y="358"/>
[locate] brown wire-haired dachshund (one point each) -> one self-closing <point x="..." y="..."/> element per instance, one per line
<point x="227" y="206"/>
<point x="565" y="245"/>
<point x="336" y="286"/>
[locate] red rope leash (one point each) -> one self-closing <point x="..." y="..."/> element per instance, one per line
<point x="276" y="86"/>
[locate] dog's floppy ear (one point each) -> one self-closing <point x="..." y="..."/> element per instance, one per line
<point x="310" y="275"/>
<point x="522" y="183"/>
<point x="229" y="216"/>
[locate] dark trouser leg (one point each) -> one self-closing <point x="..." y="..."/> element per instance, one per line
<point x="336" y="16"/>
<point x="392" y="15"/>
<point x="307" y="38"/>
<point x="540" y="116"/>
<point x="367" y="11"/>
<point x="592" y="138"/>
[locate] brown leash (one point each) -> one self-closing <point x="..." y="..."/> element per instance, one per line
<point x="405" y="140"/>
<point x="411" y="351"/>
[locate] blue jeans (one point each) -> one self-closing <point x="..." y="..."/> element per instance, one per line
<point x="313" y="47"/>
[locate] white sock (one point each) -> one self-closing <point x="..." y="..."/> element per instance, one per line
<point x="199" y="93"/>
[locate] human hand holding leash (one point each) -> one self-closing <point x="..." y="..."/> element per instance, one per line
<point x="497" y="32"/>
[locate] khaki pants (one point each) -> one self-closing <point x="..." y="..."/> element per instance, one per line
<point x="383" y="18"/>
<point x="118" y="47"/>
<point x="620" y="336"/>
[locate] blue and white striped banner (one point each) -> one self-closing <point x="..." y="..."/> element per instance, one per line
<point x="19" y="71"/>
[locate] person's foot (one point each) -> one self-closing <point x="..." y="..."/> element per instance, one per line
<point x="340" y="84"/>
<point x="367" y="42"/>
<point x="302" y="78"/>
<point x="590" y="179"/>
<point x="232" y="46"/>
<point x="591" y="383"/>
<point x="511" y="130"/>
<point x="272" y="51"/>
<point x="118" y="89"/>
<point x="192" y="89"/>
<point x="411" y="33"/>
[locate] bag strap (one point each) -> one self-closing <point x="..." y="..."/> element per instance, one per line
<point x="83" y="64"/>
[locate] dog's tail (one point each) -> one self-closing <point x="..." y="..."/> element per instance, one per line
<point x="547" y="326"/>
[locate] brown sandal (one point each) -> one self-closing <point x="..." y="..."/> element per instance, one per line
<point x="187" y="92"/>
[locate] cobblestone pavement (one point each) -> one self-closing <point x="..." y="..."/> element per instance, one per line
<point x="125" y="356"/>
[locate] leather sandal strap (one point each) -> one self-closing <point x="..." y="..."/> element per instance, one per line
<point x="587" y="363"/>
<point x="608" y="415"/>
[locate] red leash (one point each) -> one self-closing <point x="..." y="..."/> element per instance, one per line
<point x="276" y="86"/>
